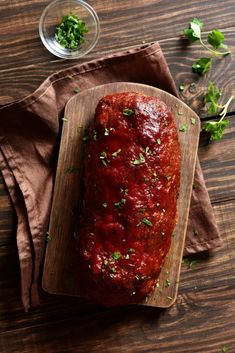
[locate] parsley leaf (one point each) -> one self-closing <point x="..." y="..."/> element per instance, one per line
<point x="215" y="39"/>
<point x="116" y="255"/>
<point x="107" y="131"/>
<point x="147" y="222"/>
<point x="202" y="65"/>
<point x="139" y="161"/>
<point x="193" y="33"/>
<point x="212" y="98"/>
<point x="225" y="349"/>
<point x="76" y="90"/>
<point x="193" y="121"/>
<point x="120" y="203"/>
<point x="128" y="112"/>
<point x="168" y="283"/>
<point x="104" y="159"/>
<point x="183" y="128"/>
<point x="192" y="263"/>
<point x="216" y="128"/>
<point x="147" y="151"/>
<point x="116" y="153"/>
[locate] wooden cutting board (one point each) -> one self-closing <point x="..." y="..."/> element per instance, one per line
<point x="60" y="276"/>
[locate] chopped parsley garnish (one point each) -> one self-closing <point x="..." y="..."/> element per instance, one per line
<point x="70" y="32"/>
<point x="106" y="262"/>
<point x="193" y="121"/>
<point x="85" y="138"/>
<point x="225" y="349"/>
<point x="128" y="112"/>
<point x="103" y="157"/>
<point x="180" y="113"/>
<point x="124" y="191"/>
<point x="169" y="298"/>
<point x="142" y="278"/>
<point x="147" y="222"/>
<point x="105" y="205"/>
<point x="76" y="90"/>
<point x="168" y="283"/>
<point x="147" y="151"/>
<point x="168" y="177"/>
<point x="120" y="203"/>
<point x="107" y="131"/>
<point x="116" y="153"/>
<point x="192" y="263"/>
<point x="183" y="128"/>
<point x="141" y="160"/>
<point x="159" y="141"/>
<point x="116" y="255"/>
<point x="155" y="175"/>
<point x="71" y="169"/>
<point x="48" y="237"/>
<point x="95" y="133"/>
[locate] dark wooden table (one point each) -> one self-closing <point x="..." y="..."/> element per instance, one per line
<point x="203" y="318"/>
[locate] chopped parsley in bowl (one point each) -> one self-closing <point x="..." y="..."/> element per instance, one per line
<point x="70" y="33"/>
<point x="69" y="29"/>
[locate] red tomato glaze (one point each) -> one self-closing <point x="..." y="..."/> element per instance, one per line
<point x="131" y="180"/>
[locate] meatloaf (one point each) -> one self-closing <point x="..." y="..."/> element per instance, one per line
<point x="131" y="183"/>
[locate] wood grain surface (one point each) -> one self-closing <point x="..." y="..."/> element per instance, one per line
<point x="203" y="317"/>
<point x="60" y="270"/>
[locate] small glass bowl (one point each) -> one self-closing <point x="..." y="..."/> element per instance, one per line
<point x="51" y="18"/>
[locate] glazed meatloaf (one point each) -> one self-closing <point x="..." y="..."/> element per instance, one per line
<point x="131" y="183"/>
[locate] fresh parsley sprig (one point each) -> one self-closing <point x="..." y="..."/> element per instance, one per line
<point x="215" y="40"/>
<point x="211" y="99"/>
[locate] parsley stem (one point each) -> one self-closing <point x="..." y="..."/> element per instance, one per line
<point x="215" y="52"/>
<point x="225" y="109"/>
<point x="216" y="117"/>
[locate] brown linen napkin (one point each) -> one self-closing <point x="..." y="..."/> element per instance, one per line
<point x="29" y="141"/>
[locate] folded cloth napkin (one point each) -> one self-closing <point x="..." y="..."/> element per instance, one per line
<point x="29" y="141"/>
